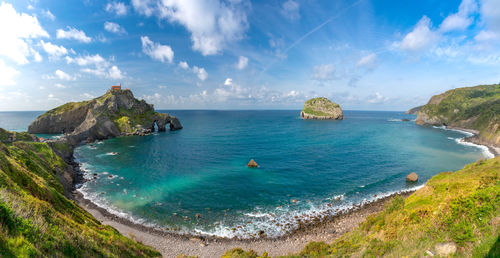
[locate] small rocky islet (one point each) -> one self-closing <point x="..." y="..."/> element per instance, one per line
<point x="321" y="109"/>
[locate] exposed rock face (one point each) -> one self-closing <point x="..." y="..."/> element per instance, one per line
<point x="321" y="108"/>
<point x="115" y="113"/>
<point x="413" y="111"/>
<point x="474" y="108"/>
<point x="412" y="177"/>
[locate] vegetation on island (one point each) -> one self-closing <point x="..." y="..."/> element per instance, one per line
<point x="475" y="108"/>
<point x="321" y="107"/>
<point x="36" y="219"/>
<point x="459" y="210"/>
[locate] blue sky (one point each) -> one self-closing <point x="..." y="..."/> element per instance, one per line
<point x="240" y="54"/>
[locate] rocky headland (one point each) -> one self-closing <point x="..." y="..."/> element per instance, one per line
<point x="413" y="111"/>
<point x="474" y="109"/>
<point x="116" y="113"/>
<point x="322" y="109"/>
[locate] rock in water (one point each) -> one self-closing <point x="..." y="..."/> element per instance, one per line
<point x="412" y="177"/>
<point x="321" y="108"/>
<point x="113" y="114"/>
<point x="252" y="164"/>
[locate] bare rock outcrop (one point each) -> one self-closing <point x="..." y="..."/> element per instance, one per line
<point x="115" y="113"/>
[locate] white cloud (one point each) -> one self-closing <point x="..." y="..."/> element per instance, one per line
<point x="213" y="24"/>
<point x="290" y="10"/>
<point x="200" y="72"/>
<point x="16" y="30"/>
<point x="377" y="98"/>
<point x="49" y="15"/>
<point x="53" y="50"/>
<point x="367" y="61"/>
<point x="228" y="82"/>
<point x="114" y="28"/>
<point x="7" y="74"/>
<point x="486" y="35"/>
<point x="490" y="13"/>
<point x="87" y="60"/>
<point x="117" y="8"/>
<point x="420" y="38"/>
<point x="184" y="65"/>
<point x="462" y="19"/>
<point x="50" y="96"/>
<point x="101" y="67"/>
<point x="60" y="86"/>
<point x="64" y="76"/>
<point x="72" y="33"/>
<point x="324" y="72"/>
<point x="156" y="50"/>
<point x="242" y="63"/>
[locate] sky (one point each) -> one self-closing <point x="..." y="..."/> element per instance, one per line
<point x="241" y="54"/>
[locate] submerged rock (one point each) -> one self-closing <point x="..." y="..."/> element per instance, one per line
<point x="412" y="177"/>
<point x="321" y="108"/>
<point x="252" y="164"/>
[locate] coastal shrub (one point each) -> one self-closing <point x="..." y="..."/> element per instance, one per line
<point x="315" y="249"/>
<point x="240" y="253"/>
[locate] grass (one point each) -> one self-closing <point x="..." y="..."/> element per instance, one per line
<point x="36" y="219"/>
<point x="462" y="208"/>
<point x="470" y="107"/>
<point x="318" y="106"/>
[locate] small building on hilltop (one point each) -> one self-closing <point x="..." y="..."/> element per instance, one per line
<point x="116" y="87"/>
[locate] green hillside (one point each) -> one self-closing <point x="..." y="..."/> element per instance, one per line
<point x="36" y="219"/>
<point x="475" y="108"/>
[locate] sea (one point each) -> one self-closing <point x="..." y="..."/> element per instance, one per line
<point x="196" y="180"/>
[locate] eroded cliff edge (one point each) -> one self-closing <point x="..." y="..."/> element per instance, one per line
<point x="115" y="113"/>
<point x="474" y="108"/>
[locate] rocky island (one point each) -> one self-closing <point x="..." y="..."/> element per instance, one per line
<point x="321" y="108"/>
<point x="116" y="113"/>
<point x="476" y="109"/>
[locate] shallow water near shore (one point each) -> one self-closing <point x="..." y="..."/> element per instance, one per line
<point x="195" y="180"/>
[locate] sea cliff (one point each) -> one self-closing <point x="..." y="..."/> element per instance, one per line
<point x="322" y="109"/>
<point x="115" y="113"/>
<point x="476" y="109"/>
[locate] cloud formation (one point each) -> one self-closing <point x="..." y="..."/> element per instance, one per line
<point x="162" y="53"/>
<point x="118" y="8"/>
<point x="242" y="63"/>
<point x="114" y="28"/>
<point x="212" y="23"/>
<point x="15" y="42"/>
<point x="72" y="33"/>
<point x="290" y="10"/>
<point x="53" y="50"/>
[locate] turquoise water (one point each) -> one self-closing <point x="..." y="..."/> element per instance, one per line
<point x="307" y="168"/>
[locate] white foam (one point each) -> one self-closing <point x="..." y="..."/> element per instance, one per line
<point x="485" y="150"/>
<point x="394" y="120"/>
<point x="112" y="153"/>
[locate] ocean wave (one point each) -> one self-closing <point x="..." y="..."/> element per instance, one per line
<point x="485" y="150"/>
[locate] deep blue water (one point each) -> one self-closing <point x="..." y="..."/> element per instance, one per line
<point x="307" y="168"/>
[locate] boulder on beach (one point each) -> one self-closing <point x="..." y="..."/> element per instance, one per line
<point x="412" y="177"/>
<point x="252" y="164"/>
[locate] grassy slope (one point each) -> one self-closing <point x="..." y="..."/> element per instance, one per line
<point x="461" y="207"/>
<point x="480" y="105"/>
<point x="35" y="217"/>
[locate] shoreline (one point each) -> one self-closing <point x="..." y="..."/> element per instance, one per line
<point x="171" y="244"/>
<point x="474" y="140"/>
